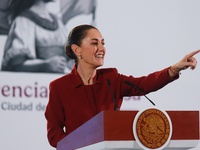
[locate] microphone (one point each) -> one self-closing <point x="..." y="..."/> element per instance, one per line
<point x="134" y="86"/>
<point x="113" y="97"/>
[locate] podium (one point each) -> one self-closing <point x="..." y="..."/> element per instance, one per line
<point x="114" y="130"/>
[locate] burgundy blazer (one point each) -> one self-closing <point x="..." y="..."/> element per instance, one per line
<point x="71" y="103"/>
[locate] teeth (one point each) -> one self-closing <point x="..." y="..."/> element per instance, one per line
<point x="99" y="56"/>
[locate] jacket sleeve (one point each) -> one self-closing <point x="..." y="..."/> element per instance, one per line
<point x="55" y="117"/>
<point x="145" y="84"/>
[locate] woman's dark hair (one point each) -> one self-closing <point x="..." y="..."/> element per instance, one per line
<point x="76" y="36"/>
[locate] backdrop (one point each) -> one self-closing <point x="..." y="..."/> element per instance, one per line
<point x="141" y="36"/>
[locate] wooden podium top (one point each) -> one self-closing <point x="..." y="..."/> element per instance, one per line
<point x="118" y="126"/>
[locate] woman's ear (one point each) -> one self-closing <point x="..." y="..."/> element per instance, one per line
<point x="75" y="49"/>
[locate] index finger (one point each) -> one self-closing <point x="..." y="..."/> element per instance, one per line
<point x="192" y="53"/>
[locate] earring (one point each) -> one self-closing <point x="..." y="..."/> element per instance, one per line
<point x="79" y="57"/>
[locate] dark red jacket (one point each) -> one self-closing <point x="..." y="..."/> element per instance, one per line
<point x="71" y="103"/>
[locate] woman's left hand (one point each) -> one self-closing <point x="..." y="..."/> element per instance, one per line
<point x="186" y="62"/>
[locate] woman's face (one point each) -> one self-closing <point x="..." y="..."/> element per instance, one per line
<point x="92" y="49"/>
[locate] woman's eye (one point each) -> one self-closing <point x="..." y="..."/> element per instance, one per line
<point x="96" y="43"/>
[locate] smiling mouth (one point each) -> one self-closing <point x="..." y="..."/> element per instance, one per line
<point x="99" y="56"/>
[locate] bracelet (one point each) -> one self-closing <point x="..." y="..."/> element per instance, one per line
<point x="172" y="70"/>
